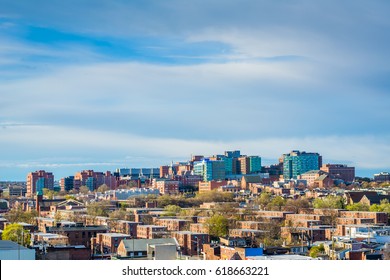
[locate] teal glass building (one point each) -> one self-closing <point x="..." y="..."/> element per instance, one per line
<point x="296" y="163"/>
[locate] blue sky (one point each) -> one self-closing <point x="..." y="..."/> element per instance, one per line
<point x="107" y="84"/>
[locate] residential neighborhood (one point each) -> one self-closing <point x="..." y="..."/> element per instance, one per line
<point x="220" y="207"/>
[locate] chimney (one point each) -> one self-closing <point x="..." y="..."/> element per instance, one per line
<point x="38" y="201"/>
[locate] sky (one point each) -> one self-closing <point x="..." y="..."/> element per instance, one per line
<point x="109" y="84"/>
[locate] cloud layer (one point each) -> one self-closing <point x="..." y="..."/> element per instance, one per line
<point x="142" y="83"/>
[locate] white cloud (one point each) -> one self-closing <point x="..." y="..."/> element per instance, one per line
<point x="109" y="148"/>
<point x="292" y="78"/>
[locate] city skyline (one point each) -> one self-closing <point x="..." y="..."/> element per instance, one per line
<point x="118" y="84"/>
<point x="65" y="170"/>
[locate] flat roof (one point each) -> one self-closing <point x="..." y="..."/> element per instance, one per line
<point x="64" y="229"/>
<point x="152" y="226"/>
<point x="10" y="245"/>
<point x="281" y="257"/>
<point x="42" y="234"/>
<point x="190" y="232"/>
<point x="115" y="234"/>
<point x="250" y="230"/>
<point x="24" y="224"/>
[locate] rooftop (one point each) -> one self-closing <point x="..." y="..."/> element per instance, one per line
<point x="142" y="244"/>
<point x="115" y="234"/>
<point x="51" y="229"/>
<point x="190" y="232"/>
<point x="281" y="257"/>
<point x="10" y="245"/>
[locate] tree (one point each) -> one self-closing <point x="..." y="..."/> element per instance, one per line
<point x="16" y="233"/>
<point x="100" y="208"/>
<point x="171" y="210"/>
<point x="272" y="233"/>
<point x="119" y="214"/>
<point x="68" y="197"/>
<point x="316" y="250"/>
<point x="296" y="204"/>
<point x="358" y="207"/>
<point x="384" y="206"/>
<point x="77" y="218"/>
<point x="18" y="215"/>
<point x="217" y="225"/>
<point x="330" y="202"/>
<point x="191" y="212"/>
<point x="264" y="199"/>
<point x="276" y="203"/>
<point x="215" y="196"/>
<point x="57" y="217"/>
<point x="84" y="189"/>
<point x="103" y="188"/>
<point x="49" y="193"/>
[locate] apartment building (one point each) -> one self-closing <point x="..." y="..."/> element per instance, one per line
<point x="191" y="243"/>
<point x="151" y="231"/>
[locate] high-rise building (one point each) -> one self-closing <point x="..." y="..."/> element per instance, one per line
<point x="210" y="169"/>
<point x="233" y="154"/>
<point x="230" y="166"/>
<point x="67" y="183"/>
<point x="123" y="172"/>
<point x="39" y="180"/>
<point x="197" y="158"/>
<point x="164" y="171"/>
<point x="382" y="177"/>
<point x="254" y="164"/>
<point x="248" y="164"/>
<point x="94" y="180"/>
<point x="244" y="165"/>
<point x="296" y="163"/>
<point x="274" y="171"/>
<point x="340" y="171"/>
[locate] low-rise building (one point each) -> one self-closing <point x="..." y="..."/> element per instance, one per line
<point x="10" y="250"/>
<point x="238" y="253"/>
<point x="305" y="235"/>
<point x="210" y="185"/>
<point x="378" y="217"/>
<point x="173" y="224"/>
<point x="151" y="231"/>
<point x="128" y="227"/>
<point x="382" y="177"/>
<point x="191" y="243"/>
<point x="167" y="186"/>
<point x="78" y="234"/>
<point x="199" y="228"/>
<point x="139" y="248"/>
<point x="107" y="243"/>
<point x="51" y="239"/>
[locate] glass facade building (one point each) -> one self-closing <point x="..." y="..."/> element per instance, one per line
<point x="297" y="163"/>
<point x="210" y="169"/>
<point x="254" y="164"/>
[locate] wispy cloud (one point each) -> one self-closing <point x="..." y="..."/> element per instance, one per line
<point x="111" y="148"/>
<point x="164" y="80"/>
